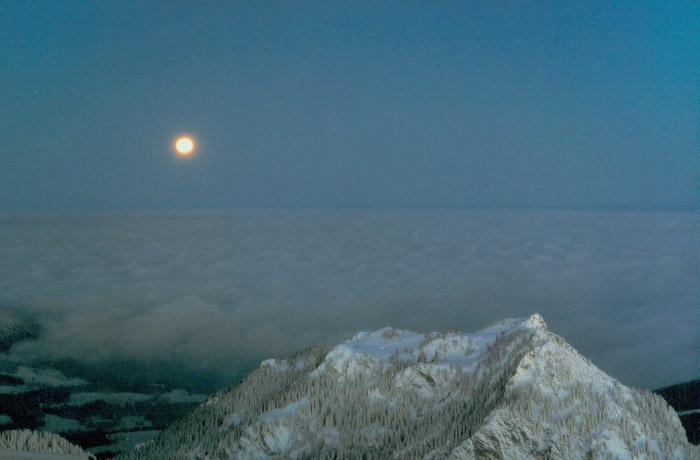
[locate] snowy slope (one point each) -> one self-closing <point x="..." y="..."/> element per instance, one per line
<point x="511" y="390"/>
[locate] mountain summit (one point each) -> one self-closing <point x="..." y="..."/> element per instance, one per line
<point x="511" y="390"/>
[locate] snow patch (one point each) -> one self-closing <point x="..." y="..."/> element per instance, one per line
<point x="289" y="409"/>
<point x="46" y="377"/>
<point x="182" y="397"/>
<point x="56" y="424"/>
<point x="133" y="423"/>
<point x="118" y="399"/>
<point x="280" y="365"/>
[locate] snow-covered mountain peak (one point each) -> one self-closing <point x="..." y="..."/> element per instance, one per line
<point x="388" y="341"/>
<point x="510" y="390"/>
<point x="396" y="347"/>
<point x="536" y="322"/>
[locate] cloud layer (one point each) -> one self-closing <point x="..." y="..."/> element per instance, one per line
<point x="215" y="291"/>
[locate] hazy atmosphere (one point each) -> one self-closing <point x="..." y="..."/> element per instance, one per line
<point x="347" y="166"/>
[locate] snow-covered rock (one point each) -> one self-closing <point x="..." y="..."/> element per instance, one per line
<point x="511" y="390"/>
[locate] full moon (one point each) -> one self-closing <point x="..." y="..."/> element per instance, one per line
<point x="184" y="146"/>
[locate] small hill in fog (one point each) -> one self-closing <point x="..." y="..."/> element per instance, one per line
<point x="15" y="327"/>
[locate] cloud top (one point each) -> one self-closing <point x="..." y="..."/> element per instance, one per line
<point x="214" y="290"/>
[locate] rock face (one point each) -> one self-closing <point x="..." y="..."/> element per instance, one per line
<point x="512" y="390"/>
<point x="15" y="327"/>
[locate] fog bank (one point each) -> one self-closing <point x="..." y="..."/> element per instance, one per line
<point x="212" y="290"/>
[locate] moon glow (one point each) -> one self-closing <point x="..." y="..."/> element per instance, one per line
<point x="184" y="146"/>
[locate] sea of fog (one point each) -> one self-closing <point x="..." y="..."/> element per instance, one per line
<point x="211" y="293"/>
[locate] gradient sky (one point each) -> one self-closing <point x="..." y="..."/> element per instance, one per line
<point x="348" y="104"/>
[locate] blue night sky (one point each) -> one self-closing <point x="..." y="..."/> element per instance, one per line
<point x="348" y="104"/>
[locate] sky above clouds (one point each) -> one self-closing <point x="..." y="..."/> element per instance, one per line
<point x="348" y="104"/>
